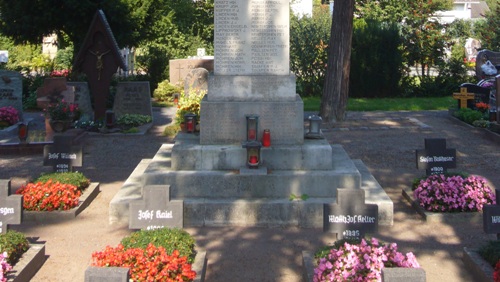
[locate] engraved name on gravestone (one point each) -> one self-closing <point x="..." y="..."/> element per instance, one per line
<point x="251" y="37"/>
<point x="82" y="98"/>
<point x="156" y="210"/>
<point x="62" y="155"/>
<point x="133" y="98"/>
<point x="11" y="91"/>
<point x="350" y="217"/>
<point x="11" y="206"/>
<point x="491" y="216"/>
<point x="436" y="158"/>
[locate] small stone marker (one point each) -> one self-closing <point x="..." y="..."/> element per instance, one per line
<point x="11" y="91"/>
<point x="11" y="206"/>
<point x="196" y="81"/>
<point x="463" y="96"/>
<point x="62" y="155"/>
<point x="491" y="217"/>
<point x="350" y="217"/>
<point x="82" y="98"/>
<point x="133" y="98"/>
<point x="156" y="210"/>
<point x="436" y="158"/>
<point x="107" y="274"/>
<point x="179" y="68"/>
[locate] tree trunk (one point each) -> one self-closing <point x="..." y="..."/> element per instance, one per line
<point x="336" y="88"/>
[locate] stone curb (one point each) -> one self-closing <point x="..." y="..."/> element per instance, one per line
<point x="435" y="217"/>
<point x="44" y="216"/>
<point x="491" y="135"/>
<point x="28" y="265"/>
<point x="480" y="268"/>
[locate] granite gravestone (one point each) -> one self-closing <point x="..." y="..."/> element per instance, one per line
<point x="350" y="217"/>
<point x="11" y="207"/>
<point x="436" y="158"/>
<point x="107" y="274"/>
<point x="491" y="217"/>
<point x="11" y="91"/>
<point x="62" y="155"/>
<point x="133" y="97"/>
<point x="196" y="81"/>
<point x="82" y="98"/>
<point x="99" y="58"/>
<point x="180" y="68"/>
<point x="156" y="210"/>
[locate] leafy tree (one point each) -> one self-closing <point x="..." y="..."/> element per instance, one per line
<point x="488" y="29"/>
<point x="27" y="21"/>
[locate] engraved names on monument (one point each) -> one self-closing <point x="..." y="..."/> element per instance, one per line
<point x="251" y="37"/>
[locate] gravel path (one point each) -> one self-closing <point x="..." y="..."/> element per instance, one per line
<point x="384" y="141"/>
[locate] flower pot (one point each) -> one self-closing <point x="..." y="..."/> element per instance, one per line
<point x="60" y="125"/>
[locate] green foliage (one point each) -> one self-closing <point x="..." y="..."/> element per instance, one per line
<point x="169" y="238"/>
<point x="417" y="180"/>
<point x="308" y="50"/>
<point x="302" y="197"/>
<point x="128" y="121"/>
<point x="171" y="130"/>
<point x="188" y="104"/>
<point x="468" y="115"/>
<point x="376" y="60"/>
<point x="487" y="30"/>
<point x="490" y="252"/>
<point x="15" y="244"/>
<point x="325" y="250"/>
<point x="74" y="178"/>
<point x="165" y="91"/>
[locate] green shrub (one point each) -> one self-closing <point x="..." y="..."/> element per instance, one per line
<point x="468" y="115"/>
<point x="169" y="238"/>
<point x="165" y="91"/>
<point x="15" y="244"/>
<point x="171" y="130"/>
<point x="74" y="178"/>
<point x="132" y="120"/>
<point x="481" y="123"/>
<point x="490" y="252"/>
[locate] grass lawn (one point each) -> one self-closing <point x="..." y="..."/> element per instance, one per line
<point x="387" y="104"/>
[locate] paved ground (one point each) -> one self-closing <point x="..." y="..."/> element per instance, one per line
<point x="385" y="141"/>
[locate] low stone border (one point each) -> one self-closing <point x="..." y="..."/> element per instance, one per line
<point x="117" y="273"/>
<point x="28" y="265"/>
<point x="436" y="217"/>
<point x="86" y="198"/>
<point x="480" y="268"/>
<point x="394" y="274"/>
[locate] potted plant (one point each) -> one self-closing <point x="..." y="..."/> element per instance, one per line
<point x="61" y="115"/>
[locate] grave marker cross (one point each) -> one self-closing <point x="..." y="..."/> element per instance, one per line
<point x="11" y="207"/>
<point x="463" y="96"/>
<point x="156" y="210"/>
<point x="350" y="217"/>
<point x="62" y="155"/>
<point x="436" y="158"/>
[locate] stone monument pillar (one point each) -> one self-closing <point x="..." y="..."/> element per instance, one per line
<point x="251" y="74"/>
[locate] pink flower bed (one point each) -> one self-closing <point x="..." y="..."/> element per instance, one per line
<point x="440" y="193"/>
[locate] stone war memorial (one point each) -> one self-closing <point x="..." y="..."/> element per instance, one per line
<point x="251" y="154"/>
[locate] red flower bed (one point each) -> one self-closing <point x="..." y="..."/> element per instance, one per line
<point x="151" y="264"/>
<point x="49" y="196"/>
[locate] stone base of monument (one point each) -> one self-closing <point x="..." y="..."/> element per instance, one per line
<point x="208" y="179"/>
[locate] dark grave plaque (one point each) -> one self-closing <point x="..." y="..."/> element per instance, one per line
<point x="62" y="155"/>
<point x="491" y="217"/>
<point x="436" y="158"/>
<point x="11" y="206"/>
<point x="156" y="210"/>
<point x="350" y="217"/>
